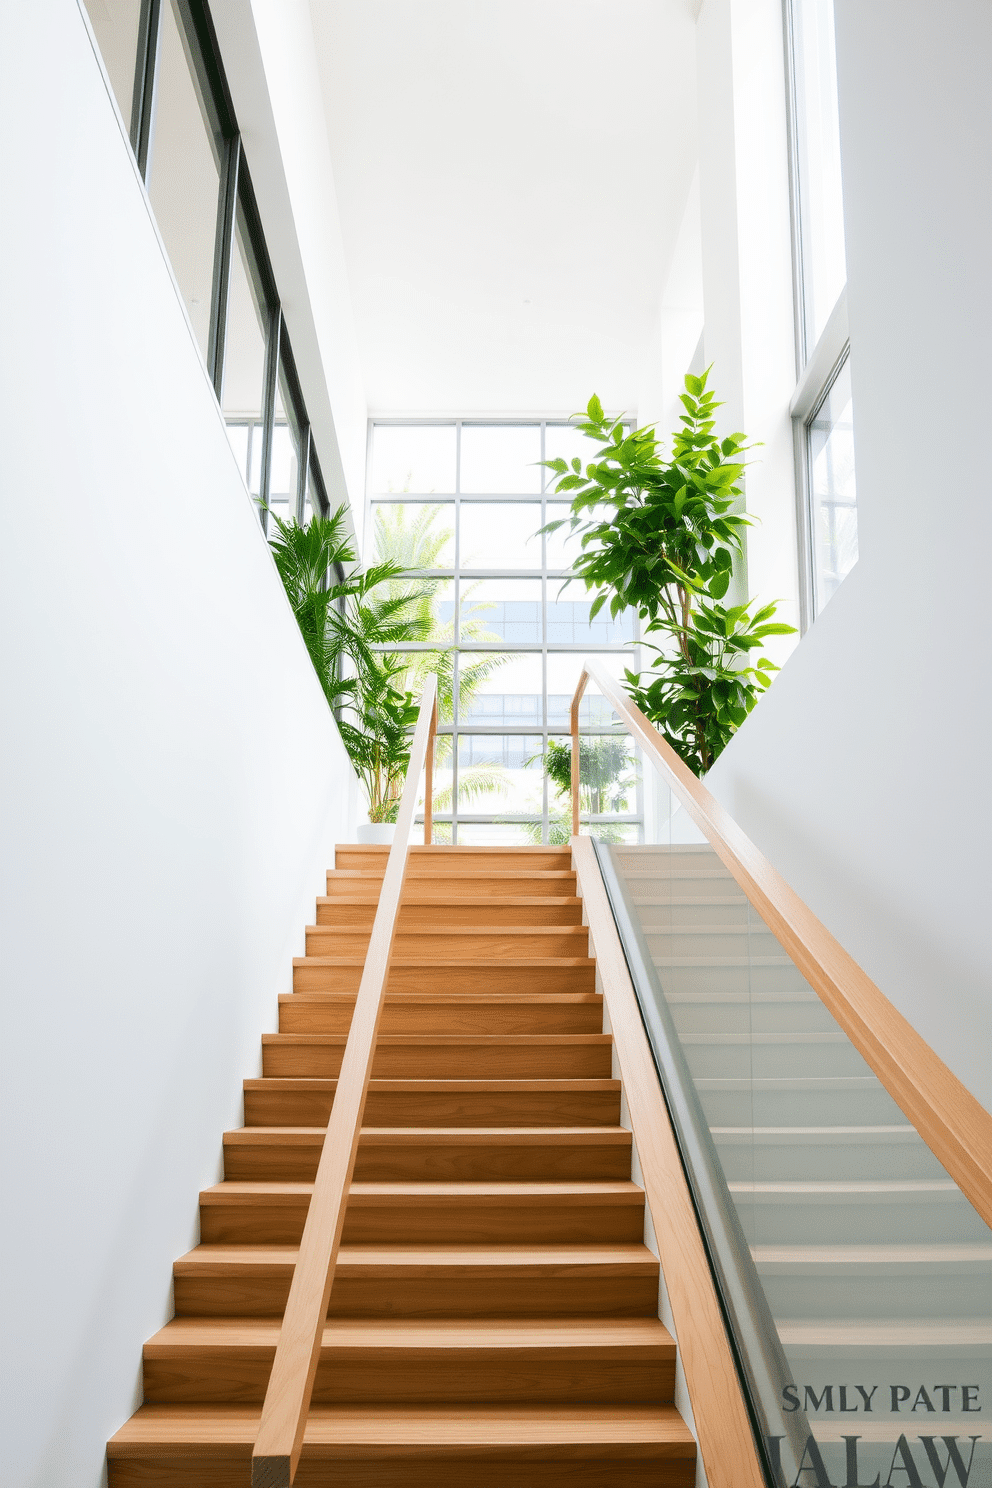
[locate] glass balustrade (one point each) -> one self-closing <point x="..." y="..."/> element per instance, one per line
<point x="856" y="1275"/>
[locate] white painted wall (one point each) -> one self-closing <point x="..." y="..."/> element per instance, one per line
<point x="173" y="782"/>
<point x="864" y="773"/>
<point x="270" y="60"/>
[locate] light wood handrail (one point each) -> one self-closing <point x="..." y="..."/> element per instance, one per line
<point x="954" y="1125"/>
<point x="287" y="1398"/>
<point x="723" y="1427"/>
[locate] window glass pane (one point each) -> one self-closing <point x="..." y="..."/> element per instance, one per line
<point x="834" y="495"/>
<point x="184" y="174"/>
<point x="499" y="834"/>
<point x="284" y="480"/>
<point x="244" y="353"/>
<point x="562" y="547"/>
<point x="569" y="623"/>
<point x="413" y="457"/>
<point x="415" y="534"/>
<point x="500" y="535"/>
<point x="116" y="24"/>
<point x="501" y="610"/>
<point x="563" y="676"/>
<point x="247" y="331"/>
<point x="504" y="689"/>
<point x="500" y="460"/>
<point x="500" y="773"/>
<point x="821" y="204"/>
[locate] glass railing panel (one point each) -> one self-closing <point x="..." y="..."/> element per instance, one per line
<point x="868" y="1264"/>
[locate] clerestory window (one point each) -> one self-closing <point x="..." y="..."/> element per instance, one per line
<point x="164" y="69"/>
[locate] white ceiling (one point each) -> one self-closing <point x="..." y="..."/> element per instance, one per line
<point x="511" y="177"/>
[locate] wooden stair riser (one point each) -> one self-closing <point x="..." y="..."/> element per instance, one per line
<point x="675" y="1469"/>
<point x="478" y="860"/>
<point x="579" y="1057"/>
<point x="545" y="1221"/>
<point x="555" y="1374"/>
<point x="422" y="916"/>
<point x="430" y="1161"/>
<point x="314" y="975"/>
<point x="451" y="1103"/>
<point x="422" y="886"/>
<point x="557" y="1287"/>
<point x="331" y="1013"/>
<point x="456" y="943"/>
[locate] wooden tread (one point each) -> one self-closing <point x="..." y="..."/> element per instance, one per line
<point x="526" y="1445"/>
<point x="303" y="1102"/>
<point x="448" y="1012"/>
<point x="470" y="974"/>
<point x="446" y="1056"/>
<point x="450" y="1153"/>
<point x="269" y="1212"/>
<point x="428" y="1281"/>
<point x="407" y="1361"/>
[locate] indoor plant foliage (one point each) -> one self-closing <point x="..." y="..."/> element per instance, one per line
<point x="659" y="534"/>
<point x="343" y="613"/>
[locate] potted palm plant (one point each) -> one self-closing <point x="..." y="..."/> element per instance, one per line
<point x="343" y="620"/>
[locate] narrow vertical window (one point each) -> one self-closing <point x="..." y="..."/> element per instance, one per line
<point x="184" y="171"/>
<point x="823" y="408"/>
<point x="117" y="28"/>
<point x="831" y="477"/>
<point x="243" y="391"/>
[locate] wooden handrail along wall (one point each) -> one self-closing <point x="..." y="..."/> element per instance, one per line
<point x="954" y="1125"/>
<point x="287" y="1398"/>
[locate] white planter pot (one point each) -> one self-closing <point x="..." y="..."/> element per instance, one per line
<point x="372" y="833"/>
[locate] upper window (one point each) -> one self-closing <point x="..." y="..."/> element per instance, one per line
<point x="823" y="268"/>
<point x="166" y="74"/>
<point x="822" y="407"/>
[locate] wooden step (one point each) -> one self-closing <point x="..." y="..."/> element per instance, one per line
<point x="575" y="1056"/>
<point x="431" y="1213"/>
<point x="438" y="1154"/>
<point x="406" y="1361"/>
<point x="526" y="974"/>
<point x="276" y="1102"/>
<point x="428" y="1281"/>
<point x="442" y="909"/>
<point x="424" y="882"/>
<point x="448" y="1012"/>
<point x="517" y="1446"/>
<point x="479" y="859"/>
<point x="455" y="942"/>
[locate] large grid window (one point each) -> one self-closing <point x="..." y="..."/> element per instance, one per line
<point x="165" y="71"/>
<point x="461" y="503"/>
<point x="822" y="408"/>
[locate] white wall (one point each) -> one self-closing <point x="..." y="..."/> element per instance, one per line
<point x="864" y="773"/>
<point x="173" y="782"/>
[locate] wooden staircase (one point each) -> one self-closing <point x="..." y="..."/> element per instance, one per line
<point x="493" y="1319"/>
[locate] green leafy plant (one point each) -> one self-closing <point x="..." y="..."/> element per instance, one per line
<point x="343" y="619"/>
<point x="659" y="534"/>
